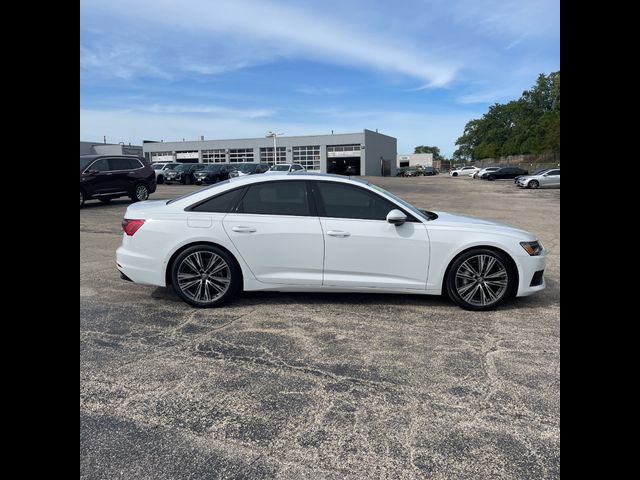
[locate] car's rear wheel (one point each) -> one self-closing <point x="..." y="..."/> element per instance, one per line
<point x="491" y="177"/>
<point x="81" y="198"/>
<point x="533" y="184"/>
<point x="140" y="193"/>
<point x="454" y="174"/>
<point x="205" y="276"/>
<point x="481" y="279"/>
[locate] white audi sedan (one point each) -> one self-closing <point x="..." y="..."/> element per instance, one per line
<point x="322" y="233"/>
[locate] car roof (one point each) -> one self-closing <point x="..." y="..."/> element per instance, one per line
<point x="251" y="179"/>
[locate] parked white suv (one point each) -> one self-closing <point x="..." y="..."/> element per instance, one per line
<point x="286" y="168"/>
<point x="161" y="168"/>
<point x="469" y="170"/>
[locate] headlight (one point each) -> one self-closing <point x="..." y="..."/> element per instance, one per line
<point x="532" y="248"/>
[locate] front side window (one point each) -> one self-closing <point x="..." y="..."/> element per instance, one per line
<point x="276" y="198"/>
<point x="101" y="165"/>
<point x="346" y="201"/>
<point x="554" y="172"/>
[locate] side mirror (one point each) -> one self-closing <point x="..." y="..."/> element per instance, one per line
<point x="396" y="217"/>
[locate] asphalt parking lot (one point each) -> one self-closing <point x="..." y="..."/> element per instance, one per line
<point x="326" y="386"/>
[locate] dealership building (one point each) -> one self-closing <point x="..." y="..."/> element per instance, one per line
<point x="362" y="153"/>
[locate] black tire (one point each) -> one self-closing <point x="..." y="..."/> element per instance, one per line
<point x="470" y="290"/>
<point x="140" y="192"/>
<point x="194" y="294"/>
<point x="105" y="200"/>
<point x="533" y="184"/>
<point x="160" y="180"/>
<point x="82" y="198"/>
<point x="454" y="174"/>
<point x="491" y="178"/>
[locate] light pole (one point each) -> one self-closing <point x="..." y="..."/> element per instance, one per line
<point x="274" y="135"/>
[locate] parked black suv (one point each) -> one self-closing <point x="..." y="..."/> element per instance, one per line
<point x="105" y="177"/>
<point x="213" y="173"/>
<point x="183" y="173"/>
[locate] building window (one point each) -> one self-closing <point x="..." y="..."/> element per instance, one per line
<point x="334" y="151"/>
<point x="266" y="155"/>
<point x="308" y="157"/>
<point x="241" y="155"/>
<point x="214" y="156"/>
<point x="162" y="157"/>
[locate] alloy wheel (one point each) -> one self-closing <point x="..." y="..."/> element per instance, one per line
<point x="142" y="192"/>
<point x="481" y="280"/>
<point x="204" y="276"/>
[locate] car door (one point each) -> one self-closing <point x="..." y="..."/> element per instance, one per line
<point x="97" y="178"/>
<point x="121" y="171"/>
<point x="550" y="179"/>
<point x="362" y="249"/>
<point x="276" y="231"/>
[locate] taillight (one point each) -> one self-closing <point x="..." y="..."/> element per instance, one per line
<point x="131" y="226"/>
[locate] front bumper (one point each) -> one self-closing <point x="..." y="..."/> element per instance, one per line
<point x="529" y="269"/>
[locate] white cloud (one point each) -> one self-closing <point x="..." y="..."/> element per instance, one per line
<point x="279" y="30"/>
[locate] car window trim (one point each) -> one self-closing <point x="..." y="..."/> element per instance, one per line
<point x="109" y="158"/>
<point x="322" y="213"/>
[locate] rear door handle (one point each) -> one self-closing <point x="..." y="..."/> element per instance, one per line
<point x="338" y="233"/>
<point x="244" y="229"/>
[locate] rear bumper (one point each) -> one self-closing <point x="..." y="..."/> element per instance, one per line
<point x="140" y="268"/>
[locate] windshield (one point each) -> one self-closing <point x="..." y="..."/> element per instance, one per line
<point x="280" y="168"/>
<point x="84" y="162"/>
<point x="416" y="211"/>
<point x="212" y="168"/>
<point x="247" y="168"/>
<point x="182" y="167"/>
<point x="157" y="166"/>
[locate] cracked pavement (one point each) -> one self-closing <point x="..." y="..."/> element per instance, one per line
<point x="322" y="386"/>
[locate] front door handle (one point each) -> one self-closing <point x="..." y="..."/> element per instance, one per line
<point x="244" y="229"/>
<point x="338" y="233"/>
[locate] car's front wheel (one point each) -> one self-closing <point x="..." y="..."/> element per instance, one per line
<point x="533" y="184"/>
<point x="140" y="193"/>
<point x="205" y="276"/>
<point x="82" y="199"/>
<point x="480" y="279"/>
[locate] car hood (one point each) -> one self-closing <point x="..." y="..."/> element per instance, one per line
<point x="446" y="219"/>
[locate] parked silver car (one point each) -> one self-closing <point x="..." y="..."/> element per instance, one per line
<point x="479" y="173"/>
<point x="545" y="179"/>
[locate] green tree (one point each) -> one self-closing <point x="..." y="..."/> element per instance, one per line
<point x="530" y="124"/>
<point x="427" y="149"/>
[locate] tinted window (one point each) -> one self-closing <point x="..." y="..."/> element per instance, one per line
<point x="346" y="201"/>
<point x="101" y="165"/>
<point x="120" y="164"/>
<point x="554" y="172"/>
<point x="276" y="198"/>
<point x="220" y="203"/>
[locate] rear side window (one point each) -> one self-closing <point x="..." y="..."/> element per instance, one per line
<point x="554" y="172"/>
<point x="120" y="164"/>
<point x="276" y="198"/>
<point x="220" y="203"/>
<point x="346" y="201"/>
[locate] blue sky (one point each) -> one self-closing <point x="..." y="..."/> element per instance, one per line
<point x="415" y="70"/>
